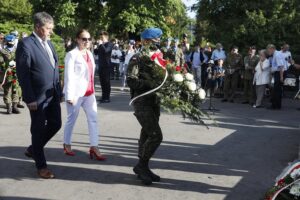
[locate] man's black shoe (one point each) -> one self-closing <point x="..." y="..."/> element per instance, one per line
<point x="224" y="100"/>
<point x="143" y="174"/>
<point x="245" y="102"/>
<point x="231" y="101"/>
<point x="104" y="101"/>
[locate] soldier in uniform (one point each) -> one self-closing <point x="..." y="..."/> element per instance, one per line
<point x="12" y="90"/>
<point x="250" y="62"/>
<point x="142" y="77"/>
<point x="175" y="53"/>
<point x="233" y="65"/>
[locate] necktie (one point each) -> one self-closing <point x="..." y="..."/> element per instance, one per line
<point x="49" y="52"/>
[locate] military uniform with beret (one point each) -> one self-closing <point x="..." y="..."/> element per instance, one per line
<point x="250" y="63"/>
<point x="12" y="90"/>
<point x="232" y="66"/>
<point x="142" y="77"/>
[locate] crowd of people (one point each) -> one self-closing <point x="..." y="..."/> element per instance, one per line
<point x="221" y="74"/>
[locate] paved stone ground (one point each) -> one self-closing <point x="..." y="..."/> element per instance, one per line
<point x="238" y="160"/>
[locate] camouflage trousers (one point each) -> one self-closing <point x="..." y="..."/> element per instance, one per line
<point x="230" y="85"/>
<point x="249" y="91"/>
<point x="151" y="134"/>
<point x="12" y="94"/>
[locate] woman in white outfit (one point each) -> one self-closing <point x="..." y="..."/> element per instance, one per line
<point x="262" y="77"/>
<point x="80" y="92"/>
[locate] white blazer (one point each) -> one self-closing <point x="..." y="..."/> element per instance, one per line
<point x="76" y="78"/>
<point x="262" y="75"/>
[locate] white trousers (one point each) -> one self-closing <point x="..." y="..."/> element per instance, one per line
<point x="89" y="106"/>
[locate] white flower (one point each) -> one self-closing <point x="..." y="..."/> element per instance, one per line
<point x="189" y="77"/>
<point x="178" y="77"/>
<point x="202" y="94"/>
<point x="12" y="63"/>
<point x="192" y="86"/>
<point x="295" y="173"/>
<point x="295" y="189"/>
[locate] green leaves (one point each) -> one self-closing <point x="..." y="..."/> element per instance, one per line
<point x="15" y="10"/>
<point x="247" y="23"/>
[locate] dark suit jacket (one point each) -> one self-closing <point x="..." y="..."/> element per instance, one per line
<point x="37" y="78"/>
<point x="104" y="53"/>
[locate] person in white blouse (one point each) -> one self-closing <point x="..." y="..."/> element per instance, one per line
<point x="262" y="77"/>
<point x="129" y="53"/>
<point x="116" y="54"/>
<point x="80" y="92"/>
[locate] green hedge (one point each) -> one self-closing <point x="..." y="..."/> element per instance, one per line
<point x="56" y="39"/>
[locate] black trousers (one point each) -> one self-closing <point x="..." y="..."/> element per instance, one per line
<point x="277" y="91"/>
<point x="151" y="134"/>
<point x="45" y="123"/>
<point x="104" y="75"/>
<point x="115" y="71"/>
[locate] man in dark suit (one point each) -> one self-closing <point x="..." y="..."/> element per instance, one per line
<point x="104" y="53"/>
<point x="37" y="70"/>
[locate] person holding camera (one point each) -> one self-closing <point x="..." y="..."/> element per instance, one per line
<point x="285" y="50"/>
<point x="116" y="54"/>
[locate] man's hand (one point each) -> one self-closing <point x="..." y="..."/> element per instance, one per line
<point x="32" y="106"/>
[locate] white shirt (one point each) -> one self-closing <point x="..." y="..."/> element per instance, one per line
<point x="218" y="54"/>
<point x="287" y="56"/>
<point x="262" y="74"/>
<point x="44" y="45"/>
<point x="117" y="53"/>
<point x="128" y="56"/>
<point x="278" y="61"/>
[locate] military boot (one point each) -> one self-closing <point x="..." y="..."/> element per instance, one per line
<point x="154" y="177"/>
<point x="15" y="109"/>
<point x="8" y="108"/>
<point x="20" y="105"/>
<point x="143" y="174"/>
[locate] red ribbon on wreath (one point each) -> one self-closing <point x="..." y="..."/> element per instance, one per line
<point x="158" y="56"/>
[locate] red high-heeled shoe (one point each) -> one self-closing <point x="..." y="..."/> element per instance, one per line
<point x="93" y="154"/>
<point x="67" y="152"/>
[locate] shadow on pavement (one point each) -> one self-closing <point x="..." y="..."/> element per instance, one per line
<point x="19" y="198"/>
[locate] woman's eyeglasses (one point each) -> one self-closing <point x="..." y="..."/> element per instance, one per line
<point x="86" y="39"/>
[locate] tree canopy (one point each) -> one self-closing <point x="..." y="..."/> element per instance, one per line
<point x="244" y="23"/>
<point x="122" y="18"/>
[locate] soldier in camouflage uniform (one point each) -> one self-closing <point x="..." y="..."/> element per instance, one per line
<point x="175" y="53"/>
<point x="142" y="77"/>
<point x="250" y="62"/>
<point x="12" y="90"/>
<point x="232" y="66"/>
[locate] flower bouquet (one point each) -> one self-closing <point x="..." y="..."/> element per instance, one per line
<point x="10" y="75"/>
<point x="287" y="186"/>
<point x="179" y="92"/>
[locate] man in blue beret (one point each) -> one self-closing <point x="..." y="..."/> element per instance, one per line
<point x="12" y="91"/>
<point x="143" y="76"/>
